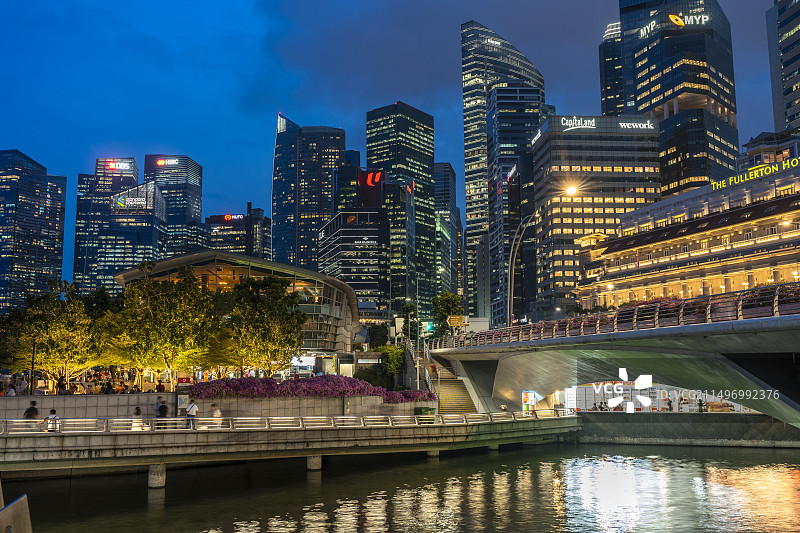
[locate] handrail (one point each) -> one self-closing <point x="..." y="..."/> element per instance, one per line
<point x="40" y="427"/>
<point x="758" y="302"/>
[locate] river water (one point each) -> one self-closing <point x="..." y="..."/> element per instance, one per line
<point x="581" y="488"/>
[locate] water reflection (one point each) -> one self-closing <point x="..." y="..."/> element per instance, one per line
<point x="572" y="489"/>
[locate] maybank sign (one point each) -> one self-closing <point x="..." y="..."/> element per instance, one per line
<point x="576" y="123"/>
<point x="754" y="173"/>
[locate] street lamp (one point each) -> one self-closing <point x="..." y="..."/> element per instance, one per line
<point x="515" y="242"/>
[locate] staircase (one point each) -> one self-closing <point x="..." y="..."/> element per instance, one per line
<point x="454" y="399"/>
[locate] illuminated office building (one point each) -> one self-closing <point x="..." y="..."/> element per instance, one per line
<point x="306" y="159"/>
<point x="447" y="223"/>
<point x="345" y="182"/>
<point x="783" y="23"/>
<point x="485" y="58"/>
<point x="588" y="172"/>
<point x="134" y="231"/>
<point x="514" y="111"/>
<point x="180" y="180"/>
<point x="612" y="80"/>
<point x="111" y="176"/>
<point x="353" y="248"/>
<point x="678" y="67"/>
<point x="31" y="226"/>
<point x="400" y="142"/>
<point x="737" y="233"/>
<point x="241" y="233"/>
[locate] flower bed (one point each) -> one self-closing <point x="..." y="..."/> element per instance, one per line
<point x="318" y="387"/>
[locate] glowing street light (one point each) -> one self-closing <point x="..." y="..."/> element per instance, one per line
<point x="571" y="190"/>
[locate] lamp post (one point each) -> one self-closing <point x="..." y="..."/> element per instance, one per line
<point x="515" y="242"/>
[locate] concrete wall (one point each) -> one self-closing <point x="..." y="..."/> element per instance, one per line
<point x="690" y="429"/>
<point x="123" y="405"/>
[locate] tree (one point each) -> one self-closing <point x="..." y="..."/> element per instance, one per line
<point x="163" y="325"/>
<point x="56" y="334"/>
<point x="445" y="305"/>
<point x="265" y="325"/>
<point x="378" y="335"/>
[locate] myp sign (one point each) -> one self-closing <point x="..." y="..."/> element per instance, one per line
<point x="676" y="20"/>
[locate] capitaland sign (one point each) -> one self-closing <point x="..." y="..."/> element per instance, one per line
<point x="578" y="123"/>
<point x="638" y="125"/>
<point x="754" y="173"/>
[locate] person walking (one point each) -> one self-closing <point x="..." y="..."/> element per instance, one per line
<point x="157" y="405"/>
<point x="191" y="412"/>
<point x="32" y="413"/>
<point x="138" y="424"/>
<point x="216" y="414"/>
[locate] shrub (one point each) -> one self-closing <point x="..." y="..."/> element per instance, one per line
<point x="375" y="376"/>
<point x="318" y="387"/>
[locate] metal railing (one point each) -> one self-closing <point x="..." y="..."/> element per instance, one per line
<point x="84" y="426"/>
<point x="759" y="302"/>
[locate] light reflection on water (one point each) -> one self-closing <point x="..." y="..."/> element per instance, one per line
<point x="573" y="489"/>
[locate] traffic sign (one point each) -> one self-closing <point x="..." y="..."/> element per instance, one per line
<point x="455" y="321"/>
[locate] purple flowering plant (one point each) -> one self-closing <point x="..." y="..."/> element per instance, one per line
<point x="328" y="386"/>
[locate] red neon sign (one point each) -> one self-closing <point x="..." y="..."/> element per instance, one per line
<point x="112" y="164"/>
<point x="227" y="217"/>
<point x="160" y="162"/>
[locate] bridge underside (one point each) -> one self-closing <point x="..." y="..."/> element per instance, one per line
<point x="752" y="355"/>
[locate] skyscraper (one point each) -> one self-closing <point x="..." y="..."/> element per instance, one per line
<point x="242" y="233"/>
<point x="678" y="66"/>
<point x="180" y="180"/>
<point x="513" y="114"/>
<point x="302" y="188"/>
<point x="783" y="23"/>
<point x="485" y="58"/>
<point x="32" y="228"/>
<point x="400" y="142"/>
<point x="133" y="230"/>
<point x="444" y="178"/>
<point x="345" y="178"/>
<point x="612" y="80"/>
<point x="111" y="177"/>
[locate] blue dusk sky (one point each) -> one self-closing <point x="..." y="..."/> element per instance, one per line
<point x="89" y="79"/>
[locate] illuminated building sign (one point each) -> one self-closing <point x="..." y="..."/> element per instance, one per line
<point x="494" y="42"/>
<point x="229" y="218"/>
<point x="754" y="173"/>
<point x="638" y="125"/>
<point x="576" y="123"/>
<point x="644" y="32"/>
<point x="680" y="20"/>
<point x="131" y="201"/>
<point x="119" y="165"/>
<point x="369" y="187"/>
<point x="163" y="162"/>
<point x="536" y="137"/>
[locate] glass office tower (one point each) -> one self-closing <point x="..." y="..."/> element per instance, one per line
<point x="444" y="178"/>
<point x="678" y="66"/>
<point x="783" y="23"/>
<point x="612" y="80"/>
<point x="306" y="159"/>
<point x="514" y="111"/>
<point x="111" y="176"/>
<point x="180" y="180"/>
<point x="400" y="142"/>
<point x="31" y="226"/>
<point x="485" y="58"/>
<point x="241" y="233"/>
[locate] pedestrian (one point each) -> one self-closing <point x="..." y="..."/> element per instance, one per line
<point x="136" y="390"/>
<point x="12" y="390"/>
<point x="669" y="405"/>
<point x="22" y="385"/>
<point x="51" y="422"/>
<point x="157" y="406"/>
<point x="216" y="414"/>
<point x="191" y="412"/>
<point x="31" y="412"/>
<point x="138" y="424"/>
<point x="160" y="387"/>
<point x="594" y="407"/>
<point x="700" y="405"/>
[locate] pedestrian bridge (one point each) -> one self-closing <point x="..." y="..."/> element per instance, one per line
<point x="54" y="448"/>
<point x="744" y="342"/>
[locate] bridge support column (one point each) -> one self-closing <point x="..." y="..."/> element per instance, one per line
<point x="314" y="462"/>
<point x="157" y="476"/>
<point x="433" y="453"/>
<point x="493" y="447"/>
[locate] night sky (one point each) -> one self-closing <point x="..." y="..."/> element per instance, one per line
<point x="88" y="79"/>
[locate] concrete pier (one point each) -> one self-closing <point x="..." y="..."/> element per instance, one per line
<point x="314" y="462"/>
<point x="157" y="476"/>
<point x="433" y="453"/>
<point x="494" y="447"/>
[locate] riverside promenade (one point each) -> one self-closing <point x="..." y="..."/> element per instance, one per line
<point x="27" y="449"/>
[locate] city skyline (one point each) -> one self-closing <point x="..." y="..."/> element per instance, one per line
<point x="248" y="71"/>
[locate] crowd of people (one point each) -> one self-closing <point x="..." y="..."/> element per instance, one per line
<point x="101" y="382"/>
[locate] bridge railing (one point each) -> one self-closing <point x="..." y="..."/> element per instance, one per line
<point x="759" y="302"/>
<point x="79" y="426"/>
